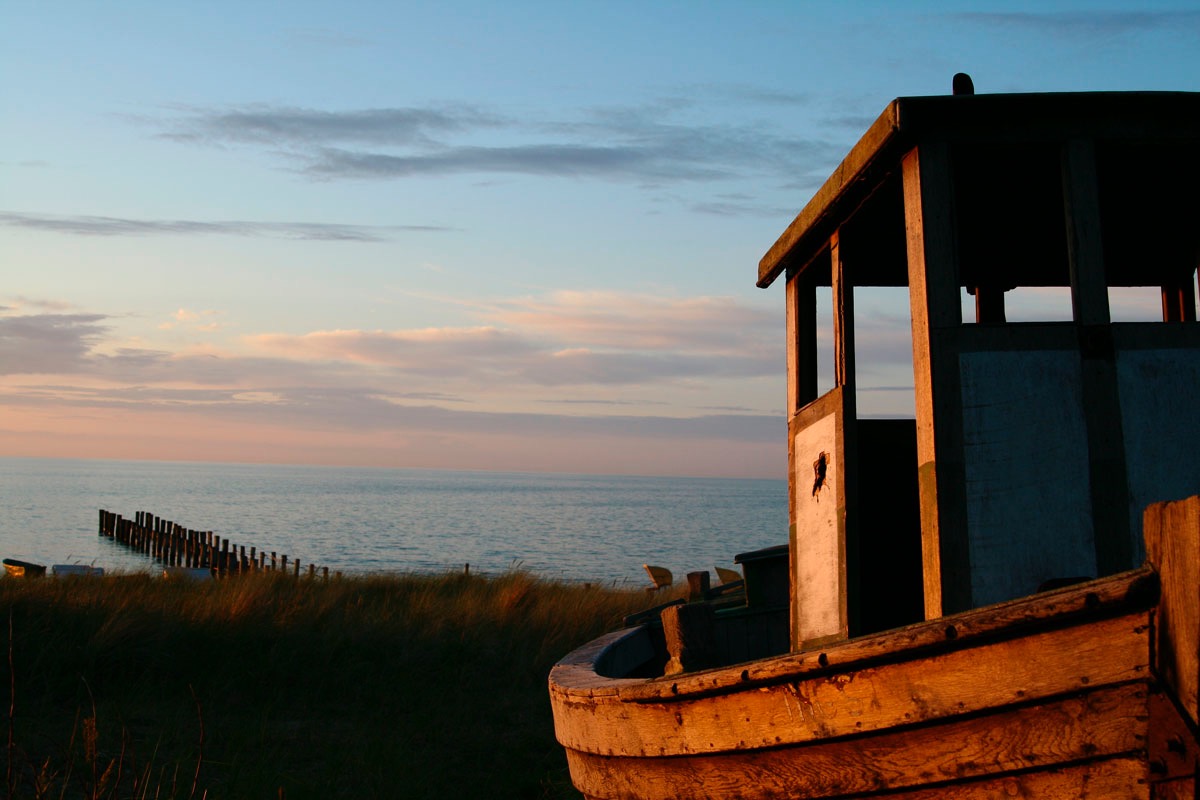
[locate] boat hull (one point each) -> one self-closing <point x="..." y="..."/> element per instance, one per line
<point x="1086" y="691"/>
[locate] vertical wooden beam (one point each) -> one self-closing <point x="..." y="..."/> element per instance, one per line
<point x="1172" y="532"/>
<point x="847" y="460"/>
<point x="936" y="316"/>
<point x="691" y="639"/>
<point x="843" y="318"/>
<point x="1101" y="400"/>
<point x="1085" y="251"/>
<point x="791" y="316"/>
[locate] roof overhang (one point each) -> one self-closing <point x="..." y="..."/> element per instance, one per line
<point x="982" y="119"/>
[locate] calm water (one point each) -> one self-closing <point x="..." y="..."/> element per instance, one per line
<point x="578" y="527"/>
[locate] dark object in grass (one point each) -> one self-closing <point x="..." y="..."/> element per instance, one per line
<point x="16" y="568"/>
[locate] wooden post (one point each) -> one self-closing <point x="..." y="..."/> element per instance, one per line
<point x="325" y="574"/>
<point x="1101" y="402"/>
<point x="296" y="568"/>
<point x="698" y="583"/>
<point x="1172" y="532"/>
<point x="928" y="187"/>
<point x="691" y="637"/>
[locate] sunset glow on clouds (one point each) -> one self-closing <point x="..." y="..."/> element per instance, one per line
<point x="425" y="393"/>
<point x="463" y="235"/>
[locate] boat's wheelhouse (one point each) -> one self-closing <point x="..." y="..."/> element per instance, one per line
<point x="1036" y="434"/>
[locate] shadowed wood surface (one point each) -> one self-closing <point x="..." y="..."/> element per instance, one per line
<point x="1098" y="724"/>
<point x="1173" y="542"/>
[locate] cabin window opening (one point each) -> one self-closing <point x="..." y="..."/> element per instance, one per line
<point x="1148" y="225"/>
<point x="1135" y="303"/>
<point x="1021" y="304"/>
<point x="1039" y="304"/>
<point x="883" y="353"/>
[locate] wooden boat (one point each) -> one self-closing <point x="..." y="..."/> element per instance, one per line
<point x="16" y="568"/>
<point x="998" y="597"/>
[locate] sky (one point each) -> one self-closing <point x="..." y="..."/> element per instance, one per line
<point x="461" y="235"/>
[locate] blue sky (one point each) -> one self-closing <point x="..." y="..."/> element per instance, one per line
<point x="462" y="235"/>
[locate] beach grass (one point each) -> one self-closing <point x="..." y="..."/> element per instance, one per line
<point x="267" y="686"/>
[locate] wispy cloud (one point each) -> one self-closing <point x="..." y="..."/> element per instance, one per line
<point x="437" y="351"/>
<point x="569" y="160"/>
<point x="83" y="225"/>
<point x="281" y="125"/>
<point x="641" y="322"/>
<point x="563" y="339"/>
<point x="637" y="143"/>
<point x="567" y="339"/>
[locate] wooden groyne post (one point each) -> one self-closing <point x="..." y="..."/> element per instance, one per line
<point x="174" y="545"/>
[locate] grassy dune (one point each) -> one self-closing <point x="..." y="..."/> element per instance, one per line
<point x="267" y="687"/>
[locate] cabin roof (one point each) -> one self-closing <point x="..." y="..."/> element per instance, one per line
<point x="979" y="120"/>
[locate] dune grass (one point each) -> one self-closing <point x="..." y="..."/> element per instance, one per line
<point x="266" y="686"/>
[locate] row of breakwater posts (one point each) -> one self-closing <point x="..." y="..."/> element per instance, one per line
<point x="176" y="546"/>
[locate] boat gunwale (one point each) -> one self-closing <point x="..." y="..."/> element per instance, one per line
<point x="575" y="676"/>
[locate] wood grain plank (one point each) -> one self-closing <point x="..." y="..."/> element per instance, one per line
<point x="853" y="701"/>
<point x="1113" y="779"/>
<point x="1088" y="727"/>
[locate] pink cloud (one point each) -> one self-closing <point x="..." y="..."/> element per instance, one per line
<point x="464" y="396"/>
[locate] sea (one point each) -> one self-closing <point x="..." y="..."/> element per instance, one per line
<point x="579" y="528"/>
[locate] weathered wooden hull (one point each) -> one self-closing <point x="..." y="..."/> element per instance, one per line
<point x="1088" y="691"/>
